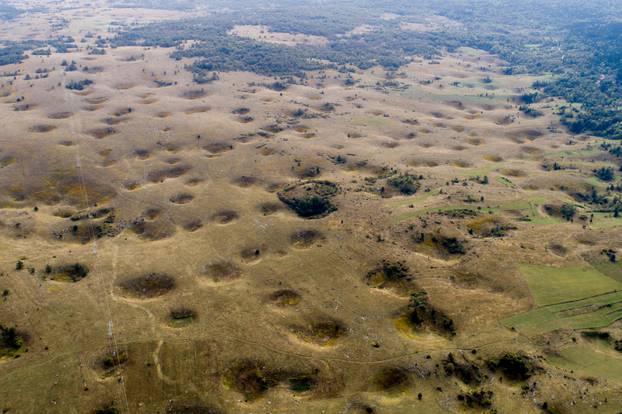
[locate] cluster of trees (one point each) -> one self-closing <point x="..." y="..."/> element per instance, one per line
<point x="15" y="52"/>
<point x="78" y="85"/>
<point x="10" y="340"/>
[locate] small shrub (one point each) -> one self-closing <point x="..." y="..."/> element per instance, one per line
<point x="477" y="398"/>
<point x="467" y="372"/>
<point x="114" y="360"/>
<point x="568" y="211"/>
<point x="301" y="383"/>
<point x="328" y="107"/>
<point x="78" y="85"/>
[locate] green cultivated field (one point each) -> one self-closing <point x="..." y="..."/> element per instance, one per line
<point x="594" y="360"/>
<point x="606" y="266"/>
<point x="572" y="297"/>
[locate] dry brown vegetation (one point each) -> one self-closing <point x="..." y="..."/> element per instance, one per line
<point x="320" y="248"/>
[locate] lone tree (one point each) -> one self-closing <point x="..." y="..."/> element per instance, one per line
<point x="605" y="173"/>
<point x="568" y="211"/>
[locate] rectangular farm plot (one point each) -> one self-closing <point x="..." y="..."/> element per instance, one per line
<point x="572" y="297"/>
<point x="552" y="285"/>
<point x="596" y="360"/>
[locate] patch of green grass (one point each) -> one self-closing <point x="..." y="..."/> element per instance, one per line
<point x="467" y="97"/>
<point x="530" y="210"/>
<point x="595" y="182"/>
<point x="571" y="297"/>
<point x="595" y="360"/>
<point x="578" y="153"/>
<point x="595" y="312"/>
<point x="506" y="182"/>
<point x="607" y="267"/>
<point x="605" y="220"/>
<point x="416" y="198"/>
<point x="551" y="285"/>
<point x="418" y="213"/>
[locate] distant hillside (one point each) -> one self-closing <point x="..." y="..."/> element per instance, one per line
<point x="8" y="12"/>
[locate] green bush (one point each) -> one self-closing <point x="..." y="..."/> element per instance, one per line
<point x="406" y="183"/>
<point x="515" y="366"/>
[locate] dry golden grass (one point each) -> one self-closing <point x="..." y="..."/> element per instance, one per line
<point x="192" y="184"/>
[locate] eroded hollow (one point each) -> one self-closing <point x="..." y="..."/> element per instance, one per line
<point x="161" y="175"/>
<point x="311" y="199"/>
<point x="218" y="147"/>
<point x="113" y="360"/>
<point x="222" y="271"/>
<point x="322" y="332"/>
<point x="285" y="297"/>
<point x="388" y="274"/>
<point x="100" y="133"/>
<point x="253" y="378"/>
<point x="182" y="316"/>
<point x="269" y="208"/>
<point x="148" y="286"/>
<point x="245" y="181"/>
<point x="153" y="230"/>
<point x="181" y="198"/>
<point x="391" y="379"/>
<point x="225" y="216"/>
<point x="42" y="128"/>
<point x="191" y="408"/>
<point x="251" y="254"/>
<point x="71" y="273"/>
<point x="192" y="225"/>
<point x="60" y="115"/>
<point x="303" y="239"/>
